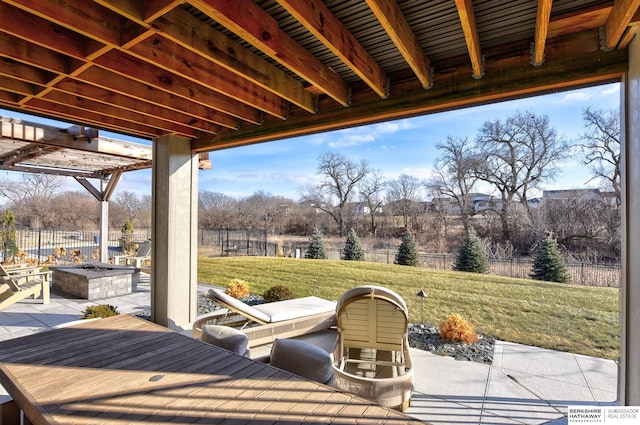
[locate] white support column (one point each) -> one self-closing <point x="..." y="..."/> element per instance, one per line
<point x="629" y="376"/>
<point x="104" y="232"/>
<point x="175" y="224"/>
<point x="104" y="225"/>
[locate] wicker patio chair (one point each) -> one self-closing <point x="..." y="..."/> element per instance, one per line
<point x="372" y="358"/>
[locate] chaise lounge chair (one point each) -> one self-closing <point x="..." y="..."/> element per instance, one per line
<point x="264" y="323"/>
<point x="372" y="359"/>
<point x="18" y="283"/>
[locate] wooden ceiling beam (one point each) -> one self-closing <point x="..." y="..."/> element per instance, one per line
<point x="38" y="57"/>
<point x="247" y="20"/>
<point x="589" y="18"/>
<point x="542" y="27"/>
<point x="39" y="31"/>
<point x="509" y="76"/>
<point x="323" y="24"/>
<point x="142" y="92"/>
<point x="18" y="86"/>
<point x="138" y="70"/>
<point x="113" y="111"/>
<point x="393" y="21"/>
<point x="81" y="16"/>
<point x="470" y="30"/>
<point x="190" y="33"/>
<point x="74" y="114"/>
<point x="621" y="15"/>
<point x="24" y="72"/>
<point x="109" y="97"/>
<point x="68" y="49"/>
<point x="164" y="54"/>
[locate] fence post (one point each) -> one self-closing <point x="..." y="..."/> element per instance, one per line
<point x="39" y="243"/>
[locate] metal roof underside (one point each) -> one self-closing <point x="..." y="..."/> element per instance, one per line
<point x="228" y="73"/>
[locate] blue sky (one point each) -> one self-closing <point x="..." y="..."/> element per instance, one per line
<point x="399" y="147"/>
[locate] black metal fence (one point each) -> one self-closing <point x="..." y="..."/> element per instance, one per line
<point x="54" y="246"/>
<point x="581" y="273"/>
<point x="230" y="242"/>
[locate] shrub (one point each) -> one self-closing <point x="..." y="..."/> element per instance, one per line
<point x="353" y="248"/>
<point x="471" y="256"/>
<point x="237" y="288"/>
<point x="100" y="310"/>
<point x="549" y="264"/>
<point x="457" y="328"/>
<point x="316" y="249"/>
<point x="277" y="293"/>
<point x="407" y="254"/>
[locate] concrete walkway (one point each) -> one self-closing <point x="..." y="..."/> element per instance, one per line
<point x="524" y="385"/>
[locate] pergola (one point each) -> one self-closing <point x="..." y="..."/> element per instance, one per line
<point x="213" y="74"/>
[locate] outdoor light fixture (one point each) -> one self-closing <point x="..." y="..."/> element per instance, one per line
<point x="422" y="296"/>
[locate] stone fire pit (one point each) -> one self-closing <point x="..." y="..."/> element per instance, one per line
<point x="95" y="281"/>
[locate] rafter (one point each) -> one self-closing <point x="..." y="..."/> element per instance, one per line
<point x="141" y="92"/>
<point x="145" y="73"/>
<point x="470" y="30"/>
<point x="618" y="20"/>
<point x="188" y="31"/>
<point x="217" y="51"/>
<point x="511" y="76"/>
<point x="589" y="18"/>
<point x="181" y="64"/>
<point x="395" y="24"/>
<point x="542" y="27"/>
<point x="319" y="20"/>
<point x="48" y="37"/>
<point x="246" y="19"/>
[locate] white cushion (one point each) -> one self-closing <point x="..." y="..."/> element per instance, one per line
<point x="292" y="309"/>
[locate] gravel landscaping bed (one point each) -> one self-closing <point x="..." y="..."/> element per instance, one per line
<point x="427" y="337"/>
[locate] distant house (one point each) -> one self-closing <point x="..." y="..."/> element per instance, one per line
<point x="562" y="194"/>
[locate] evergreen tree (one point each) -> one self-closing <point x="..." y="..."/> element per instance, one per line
<point x="8" y="235"/>
<point x="353" y="248"/>
<point x="471" y="256"/>
<point x="549" y="264"/>
<point x="407" y="252"/>
<point x="316" y="249"/>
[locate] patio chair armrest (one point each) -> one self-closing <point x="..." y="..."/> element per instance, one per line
<point x="207" y="319"/>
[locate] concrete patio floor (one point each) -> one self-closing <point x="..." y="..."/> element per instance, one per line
<point x="524" y="385"/>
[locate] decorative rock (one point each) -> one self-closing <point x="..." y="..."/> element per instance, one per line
<point x="427" y="337"/>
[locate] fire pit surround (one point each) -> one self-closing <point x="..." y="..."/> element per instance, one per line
<point x="95" y="280"/>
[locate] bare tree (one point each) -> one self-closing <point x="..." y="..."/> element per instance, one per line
<point x="340" y="176"/>
<point x="371" y="193"/>
<point x="77" y="209"/>
<point x="515" y="155"/>
<point x="131" y="204"/>
<point x="454" y="175"/>
<point x="216" y="210"/>
<point x="403" y="194"/>
<point x="601" y="147"/>
<point x="584" y="225"/>
<point x="31" y="195"/>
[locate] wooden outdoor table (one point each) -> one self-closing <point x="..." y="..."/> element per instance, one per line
<point x="126" y="370"/>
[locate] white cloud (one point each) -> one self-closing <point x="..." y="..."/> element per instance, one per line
<point x="576" y="96"/>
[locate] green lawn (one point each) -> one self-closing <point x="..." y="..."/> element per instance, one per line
<point x="577" y="319"/>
